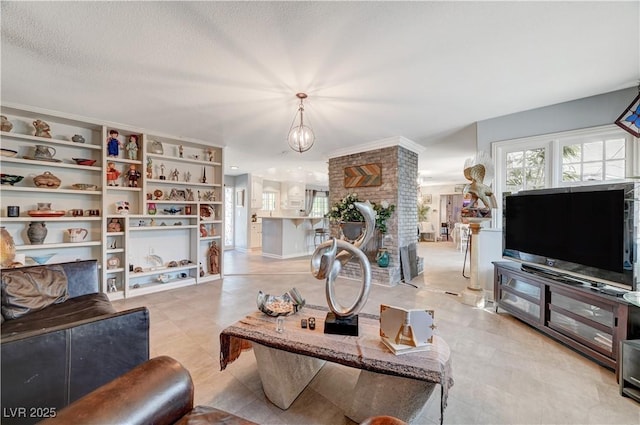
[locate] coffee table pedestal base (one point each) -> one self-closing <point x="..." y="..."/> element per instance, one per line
<point x="284" y="375"/>
<point x="376" y="394"/>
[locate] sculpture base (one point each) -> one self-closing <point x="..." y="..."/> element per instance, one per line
<point x="338" y="326"/>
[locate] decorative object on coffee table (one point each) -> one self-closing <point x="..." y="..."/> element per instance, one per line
<point x="326" y="263"/>
<point x="282" y="305"/>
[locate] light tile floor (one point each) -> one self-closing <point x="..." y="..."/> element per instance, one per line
<point x="505" y="372"/>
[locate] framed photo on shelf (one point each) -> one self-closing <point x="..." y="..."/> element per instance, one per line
<point x="240" y="198"/>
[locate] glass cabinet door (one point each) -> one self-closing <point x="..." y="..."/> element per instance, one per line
<point x="524" y="297"/>
<point x="591" y="324"/>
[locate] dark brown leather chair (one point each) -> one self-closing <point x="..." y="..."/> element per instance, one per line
<point x="159" y="392"/>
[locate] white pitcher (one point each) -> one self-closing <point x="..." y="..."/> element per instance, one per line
<point x="76" y="234"/>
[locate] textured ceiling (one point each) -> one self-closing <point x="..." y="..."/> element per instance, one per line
<point x="228" y="71"/>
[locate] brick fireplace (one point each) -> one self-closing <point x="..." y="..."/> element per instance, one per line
<point x="398" y="158"/>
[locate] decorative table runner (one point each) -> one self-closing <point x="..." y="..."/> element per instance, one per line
<point x="365" y="352"/>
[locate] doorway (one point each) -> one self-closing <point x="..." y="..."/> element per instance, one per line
<point x="229" y="209"/>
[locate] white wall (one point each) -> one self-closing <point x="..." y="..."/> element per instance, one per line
<point x="242" y="213"/>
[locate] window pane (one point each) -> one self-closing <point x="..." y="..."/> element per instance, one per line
<point x="571" y="154"/>
<point x="534" y="158"/>
<point x="571" y="173"/>
<point x="592" y="171"/>
<point x="615" y="170"/>
<point x="535" y="178"/>
<point x="514" y="160"/>
<point x="269" y="201"/>
<point x="514" y="180"/>
<point x="592" y="151"/>
<point x="614" y="149"/>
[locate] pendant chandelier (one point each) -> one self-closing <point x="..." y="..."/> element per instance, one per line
<point x="630" y="118"/>
<point x="301" y="137"/>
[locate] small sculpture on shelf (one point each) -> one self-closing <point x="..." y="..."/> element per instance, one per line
<point x="122" y="207"/>
<point x="189" y="194"/>
<point x="42" y="129"/>
<point x="132" y="147"/>
<point x="151" y="208"/>
<point x="204" y="175"/>
<point x="214" y="257"/>
<point x="112" y="174"/>
<point x="149" y="168"/>
<point x="211" y="155"/>
<point x="114" y="225"/>
<point x="180" y="151"/>
<point x="133" y="175"/>
<point x="175" y="175"/>
<point x="162" y="176"/>
<point x="203" y="231"/>
<point x="6" y="125"/>
<point x="187" y="176"/>
<point x="77" y="138"/>
<point x="113" y="144"/>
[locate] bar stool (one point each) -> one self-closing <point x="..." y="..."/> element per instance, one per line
<point x="320" y="234"/>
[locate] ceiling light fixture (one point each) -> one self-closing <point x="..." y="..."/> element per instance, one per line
<point x="301" y="137"/>
<point x="630" y="118"/>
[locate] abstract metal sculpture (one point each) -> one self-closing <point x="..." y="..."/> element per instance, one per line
<point x="327" y="262"/>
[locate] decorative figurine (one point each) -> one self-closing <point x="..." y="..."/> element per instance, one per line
<point x="175" y="174"/>
<point x="42" y="129"/>
<point x="203" y="231"/>
<point x="211" y="155"/>
<point x="149" y="168"/>
<point x="113" y="144"/>
<point x="162" y="176"/>
<point x="153" y="222"/>
<point x="132" y="147"/>
<point x="122" y="207"/>
<point x="114" y="226"/>
<point x="77" y="138"/>
<point x="6" y="124"/>
<point x="189" y="194"/>
<point x="133" y="175"/>
<point x="214" y="255"/>
<point x="201" y="270"/>
<point x="180" y="151"/>
<point x="204" y="175"/>
<point x="187" y="176"/>
<point x="112" y="174"/>
<point x="152" y="209"/>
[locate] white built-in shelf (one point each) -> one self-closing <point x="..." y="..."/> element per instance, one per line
<point x="57" y="245"/>
<point x="39" y="189"/>
<point x="115" y="233"/>
<point x="161" y="216"/>
<point x="131" y="189"/>
<point x="158" y="227"/>
<point x="151" y="287"/>
<point x="149" y="201"/>
<point x="209" y="238"/>
<point x="160" y="270"/>
<point x="210" y="221"/>
<point x="183" y="183"/>
<point x="50" y="164"/>
<point x="115" y="250"/>
<point x="124" y="160"/>
<point x="178" y="159"/>
<point x="49" y="140"/>
<point x="115" y="270"/>
<point x="27" y="219"/>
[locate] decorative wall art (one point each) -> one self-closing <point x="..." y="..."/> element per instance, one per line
<point x="367" y="175"/>
<point x="427" y="199"/>
<point x="630" y="118"/>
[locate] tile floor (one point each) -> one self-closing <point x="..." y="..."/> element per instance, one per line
<point x="505" y="372"/>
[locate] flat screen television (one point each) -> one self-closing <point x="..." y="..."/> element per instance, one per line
<point x="580" y="234"/>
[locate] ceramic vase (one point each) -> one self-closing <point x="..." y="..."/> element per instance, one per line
<point x="37" y="232"/>
<point x="352" y="229"/>
<point x="383" y="257"/>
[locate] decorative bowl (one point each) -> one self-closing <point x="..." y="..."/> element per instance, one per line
<point x="84" y="186"/>
<point x="10" y="179"/>
<point x="41" y="259"/>
<point x="8" y="152"/>
<point x="283" y="305"/>
<point x="84" y="161"/>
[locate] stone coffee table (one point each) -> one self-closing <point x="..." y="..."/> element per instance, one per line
<point x="389" y="384"/>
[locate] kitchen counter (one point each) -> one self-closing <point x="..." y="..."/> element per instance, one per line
<point x="288" y="236"/>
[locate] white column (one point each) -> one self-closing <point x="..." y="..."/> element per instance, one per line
<point x="474" y="294"/>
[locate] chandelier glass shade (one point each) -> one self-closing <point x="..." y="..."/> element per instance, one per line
<point x="301" y="137"/>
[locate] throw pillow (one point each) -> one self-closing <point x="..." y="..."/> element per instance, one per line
<point x="32" y="289"/>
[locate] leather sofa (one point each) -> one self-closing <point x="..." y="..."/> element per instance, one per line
<point x="159" y="391"/>
<point x="61" y="339"/>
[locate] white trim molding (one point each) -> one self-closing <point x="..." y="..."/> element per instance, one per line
<point x="379" y="144"/>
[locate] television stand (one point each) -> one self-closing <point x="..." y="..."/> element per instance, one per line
<point x="582" y="317"/>
<point x="560" y="277"/>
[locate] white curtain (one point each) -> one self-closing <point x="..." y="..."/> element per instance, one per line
<point x="309" y="197"/>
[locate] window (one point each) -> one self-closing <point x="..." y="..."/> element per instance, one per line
<point x="574" y="157"/>
<point x="320" y="205"/>
<point x="269" y="201"/>
<point x="525" y="169"/>
<point x="594" y="161"/>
